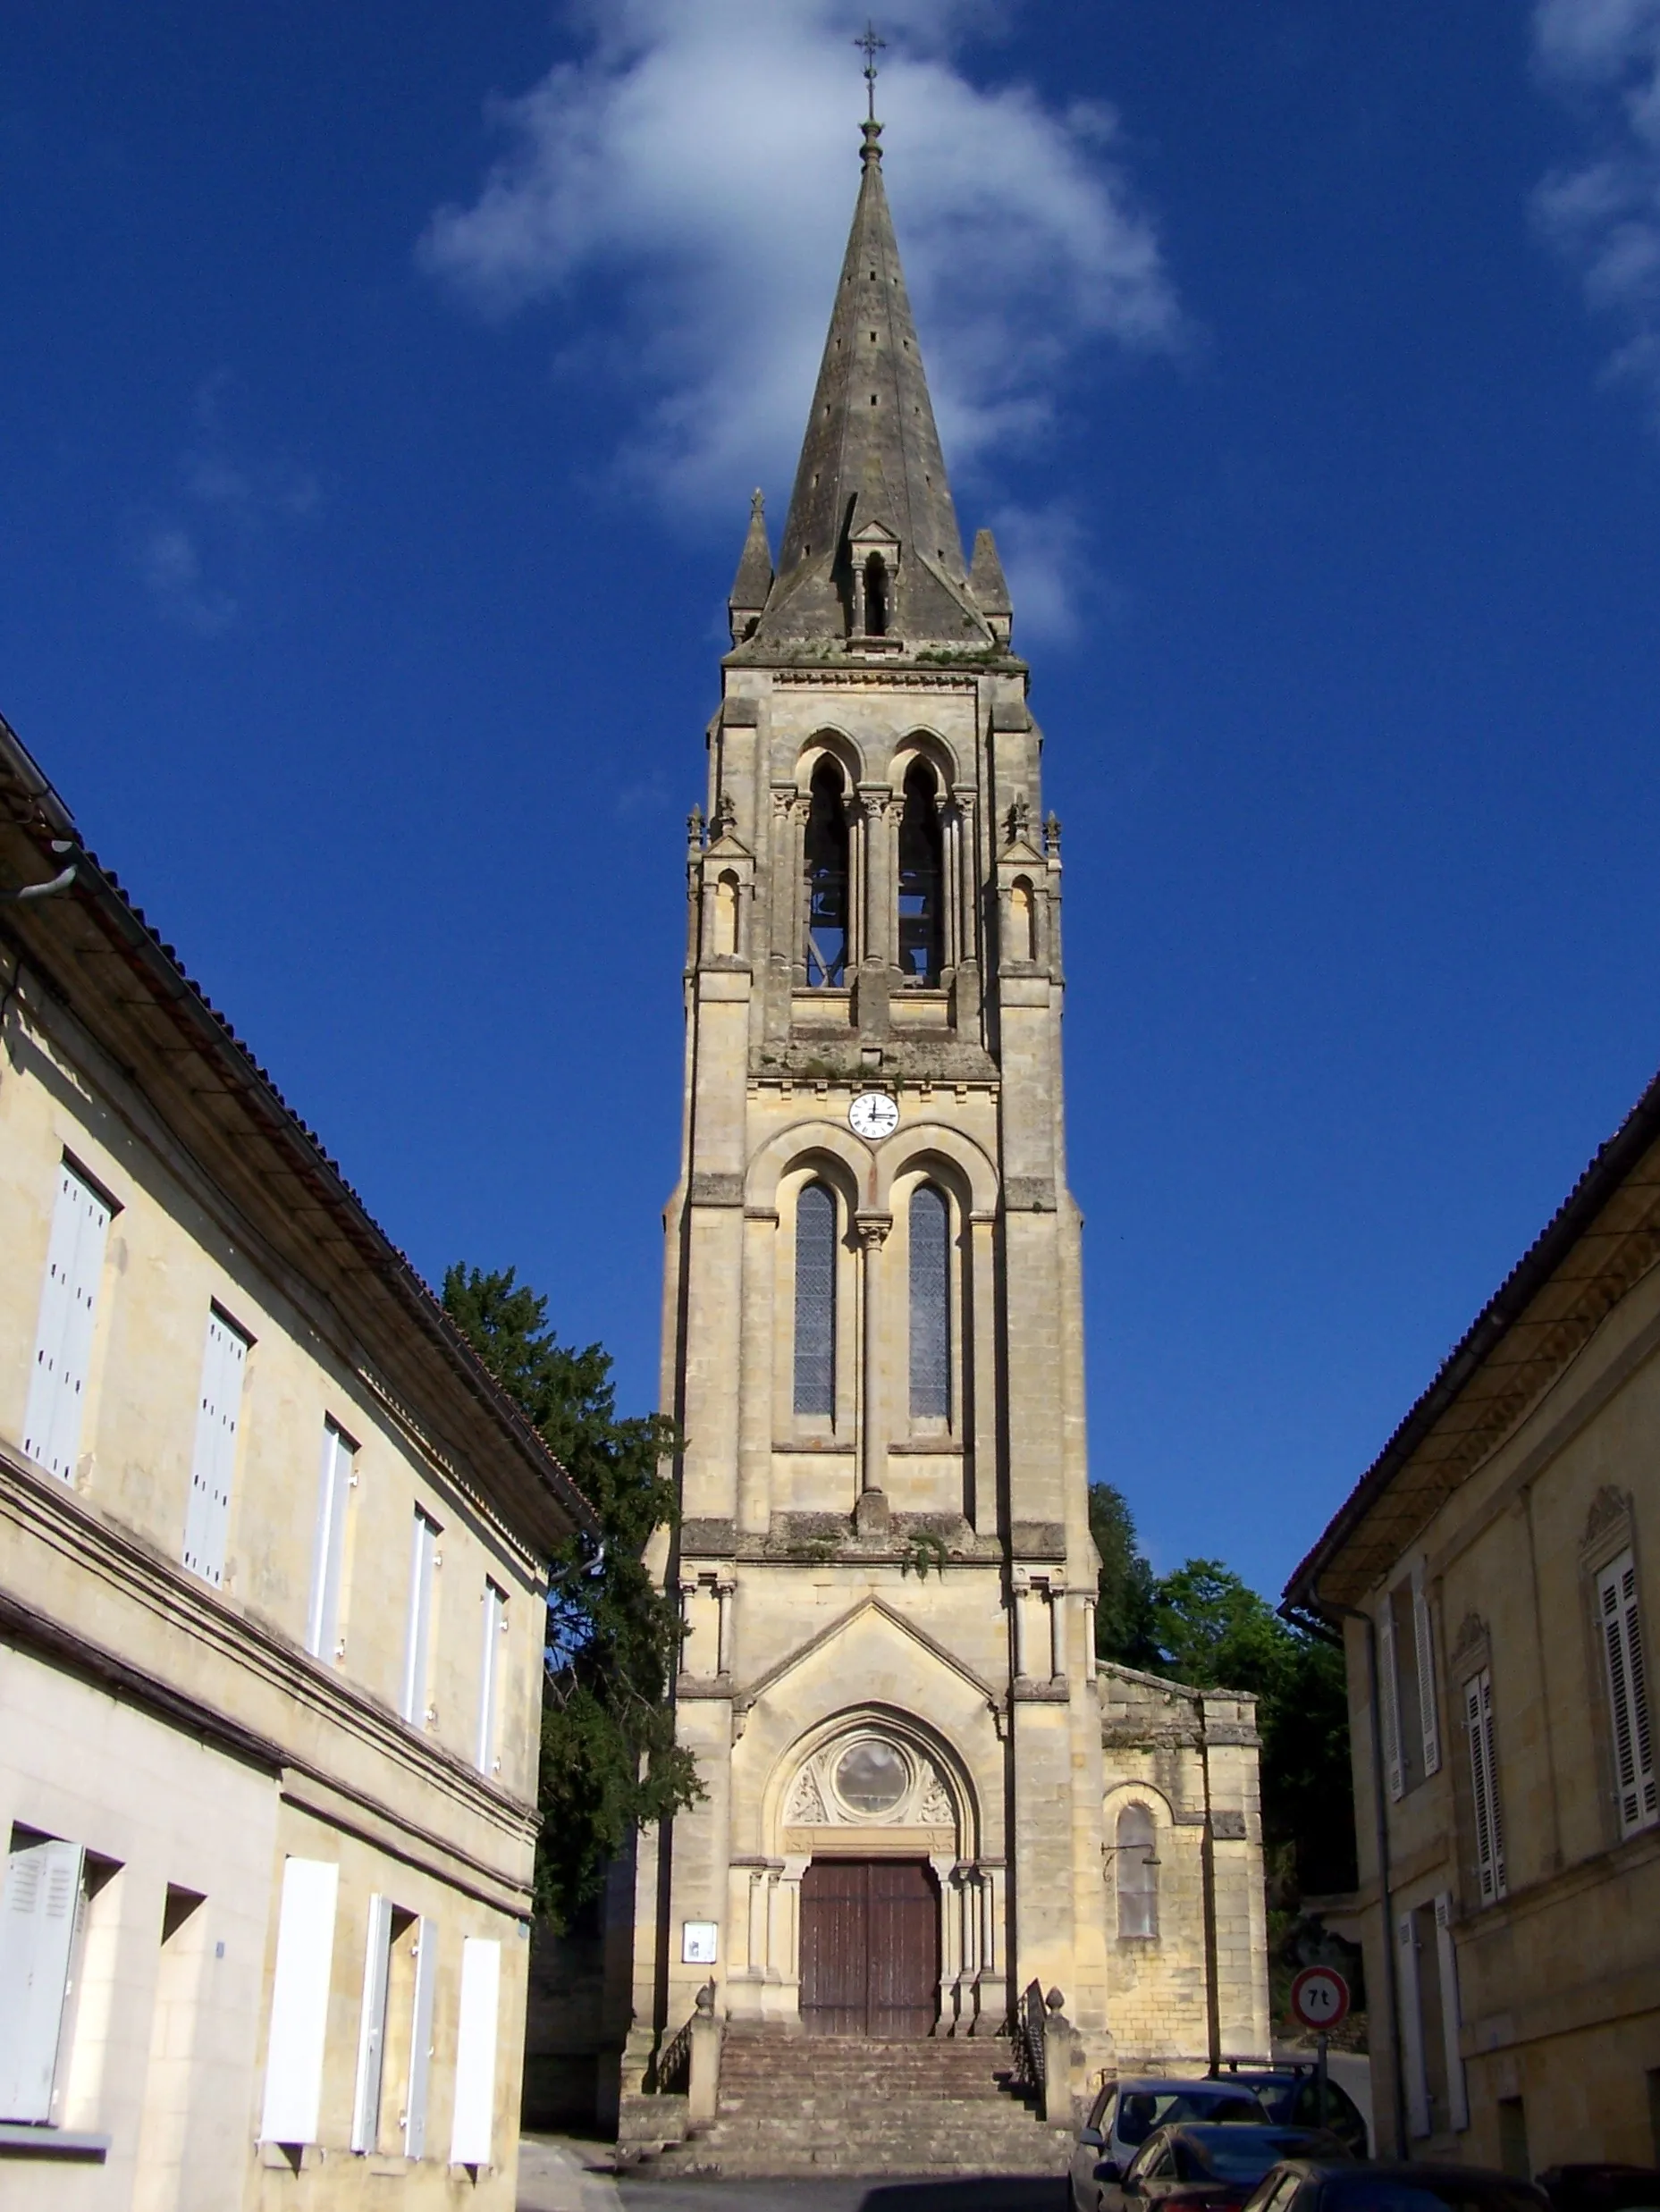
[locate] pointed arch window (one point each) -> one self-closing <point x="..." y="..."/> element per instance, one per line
<point x="931" y="1304"/>
<point x="1136" y="1869"/>
<point x="1023" y="917"/>
<point x="826" y="857"/>
<point x="815" y="1300"/>
<point x="921" y="868"/>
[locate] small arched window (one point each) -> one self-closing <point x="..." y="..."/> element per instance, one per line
<point x="1022" y="920"/>
<point x="931" y="1304"/>
<point x="920" y="870"/>
<point x="876" y="597"/>
<point x="726" y="914"/>
<point x="827" y="879"/>
<point x="1137" y="1871"/>
<point x="815" y="1300"/>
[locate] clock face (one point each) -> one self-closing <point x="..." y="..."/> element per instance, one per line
<point x="874" y="1114"/>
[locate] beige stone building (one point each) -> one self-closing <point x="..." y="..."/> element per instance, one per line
<point x="1491" y="1573"/>
<point x="923" y="1796"/>
<point x="273" y="1554"/>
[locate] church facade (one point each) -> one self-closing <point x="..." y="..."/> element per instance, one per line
<point x="923" y="1792"/>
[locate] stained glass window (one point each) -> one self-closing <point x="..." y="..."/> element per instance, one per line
<point x="815" y="1301"/>
<point x="931" y="1303"/>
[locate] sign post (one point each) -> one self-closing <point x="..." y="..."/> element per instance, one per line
<point x="1320" y="1998"/>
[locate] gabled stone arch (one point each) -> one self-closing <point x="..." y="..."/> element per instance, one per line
<point x="829" y="743"/>
<point x="924" y="745"/>
<point x="959" y="1159"/>
<point x="814" y="1138"/>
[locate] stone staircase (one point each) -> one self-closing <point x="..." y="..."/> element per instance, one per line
<point x="797" y="2104"/>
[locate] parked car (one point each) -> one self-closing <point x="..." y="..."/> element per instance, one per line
<point x="1205" y="2167"/>
<point x="1290" y="2095"/>
<point x="1322" y="2185"/>
<point x="1126" y="2111"/>
<point x="1602" y="2188"/>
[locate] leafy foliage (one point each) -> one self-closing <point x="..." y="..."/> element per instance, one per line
<point x="610" y="1763"/>
<point x="1201" y="1625"/>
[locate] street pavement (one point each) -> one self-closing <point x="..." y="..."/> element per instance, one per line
<point x="558" y="2174"/>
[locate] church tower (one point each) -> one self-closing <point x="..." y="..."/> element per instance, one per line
<point x="872" y="1327"/>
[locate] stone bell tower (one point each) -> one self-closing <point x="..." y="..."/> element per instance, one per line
<point x="872" y="1329"/>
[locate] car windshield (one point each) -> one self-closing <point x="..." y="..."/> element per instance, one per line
<point x="1141" y="2111"/>
<point x="1361" y="2192"/>
<point x="1237" y="2154"/>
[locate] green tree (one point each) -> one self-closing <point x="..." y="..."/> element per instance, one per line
<point x="610" y="1763"/>
<point x="1124" y="1610"/>
<point x="1202" y="1625"/>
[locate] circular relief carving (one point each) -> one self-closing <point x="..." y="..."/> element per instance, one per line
<point x="871" y="1776"/>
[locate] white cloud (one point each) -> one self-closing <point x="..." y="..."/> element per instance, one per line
<point x="684" y="190"/>
<point x="225" y="502"/>
<point x="1603" y="215"/>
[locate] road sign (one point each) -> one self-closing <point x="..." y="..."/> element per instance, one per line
<point x="1319" y="1996"/>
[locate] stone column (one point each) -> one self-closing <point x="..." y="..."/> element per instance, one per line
<point x="873" y="1454"/>
<point x="1020" y="1594"/>
<point x="1088" y="1639"/>
<point x="992" y="1981"/>
<point x="1057" y="1629"/>
<point x="726" y="1584"/>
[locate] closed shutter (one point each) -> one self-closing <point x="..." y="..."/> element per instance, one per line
<point x="1628" y="1694"/>
<point x="328" y="1564"/>
<point x="1389" y="1702"/>
<point x="418" y="1638"/>
<point x="489" y="1675"/>
<point x="213" y="1464"/>
<point x="476" y="2053"/>
<point x="1484" y="1788"/>
<point x="366" y="2106"/>
<point x="421" y="2038"/>
<point x="1417" y="2083"/>
<point x="1423" y="1640"/>
<point x="1446" y="1954"/>
<point x="299" y="2002"/>
<point x="57" y="1383"/>
<point x="38" y="1915"/>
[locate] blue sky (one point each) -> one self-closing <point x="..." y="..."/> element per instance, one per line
<point x="383" y="390"/>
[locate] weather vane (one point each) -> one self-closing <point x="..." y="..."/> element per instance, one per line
<point x="871" y="45"/>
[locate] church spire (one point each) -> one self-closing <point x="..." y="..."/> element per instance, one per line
<point x="871" y="477"/>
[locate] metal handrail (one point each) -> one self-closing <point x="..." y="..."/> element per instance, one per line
<point x="1027" y="2033"/>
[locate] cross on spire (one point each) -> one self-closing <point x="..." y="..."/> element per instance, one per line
<point x="870" y="45"/>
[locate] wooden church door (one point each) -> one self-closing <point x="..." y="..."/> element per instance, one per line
<point x="870" y="1947"/>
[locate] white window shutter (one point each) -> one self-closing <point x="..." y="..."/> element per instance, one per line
<point x="328" y="1564"/>
<point x="476" y="2053"/>
<point x="38" y="1913"/>
<point x="1635" y="1781"/>
<point x="299" y="2002"/>
<point x="418" y="1636"/>
<point x="1417" y="2085"/>
<point x="421" y="2040"/>
<point x="489" y="1675"/>
<point x="366" y="2105"/>
<point x="1389" y="1702"/>
<point x="1423" y="1640"/>
<point x="1447" y="1958"/>
<point x="213" y="1464"/>
<point x="57" y="1383"/>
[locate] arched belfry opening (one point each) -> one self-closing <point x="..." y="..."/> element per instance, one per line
<point x="921" y="873"/>
<point x="875" y="596"/>
<point x="828" y="878"/>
